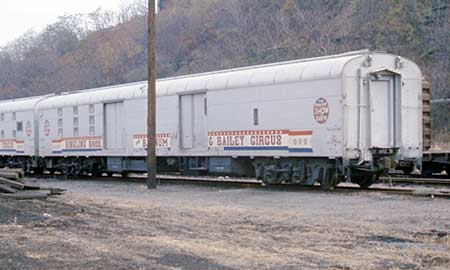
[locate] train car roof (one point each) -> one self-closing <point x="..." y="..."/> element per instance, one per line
<point x="326" y="67"/>
<point x="19" y="105"/>
<point x="319" y="68"/>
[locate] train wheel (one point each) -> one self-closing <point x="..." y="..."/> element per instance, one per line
<point x="329" y="180"/>
<point x="364" y="181"/>
<point x="96" y="170"/>
<point x="408" y="170"/>
<point x="270" y="176"/>
<point x="427" y="173"/>
<point x="71" y="171"/>
<point x="38" y="171"/>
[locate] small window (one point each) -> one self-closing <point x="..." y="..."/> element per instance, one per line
<point x="255" y="117"/>
<point x="75" y="110"/>
<point x="91" y="108"/>
<point x="60" y="112"/>
<point x="19" y="126"/>
<point x="75" y="121"/>
<point x="60" y="123"/>
<point x="14" y="116"/>
<point x="14" y="134"/>
<point x="2" y="117"/>
<point x="60" y="132"/>
<point x="92" y="131"/>
<point x="2" y="134"/>
<point x="75" y="132"/>
<point x="206" y="106"/>
<point x="92" y="120"/>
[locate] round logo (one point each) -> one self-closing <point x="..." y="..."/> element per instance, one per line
<point x="321" y="110"/>
<point x="47" y="128"/>
<point x="28" y="128"/>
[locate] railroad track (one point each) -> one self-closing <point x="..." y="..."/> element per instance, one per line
<point x="254" y="183"/>
<point x="343" y="187"/>
<point x="415" y="180"/>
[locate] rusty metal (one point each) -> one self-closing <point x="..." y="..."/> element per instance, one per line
<point x="426" y="115"/>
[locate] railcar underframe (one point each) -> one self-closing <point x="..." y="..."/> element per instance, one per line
<point x="284" y="170"/>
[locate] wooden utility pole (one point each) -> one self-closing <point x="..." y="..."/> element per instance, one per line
<point x="151" y="99"/>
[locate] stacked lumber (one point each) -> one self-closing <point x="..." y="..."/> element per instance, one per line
<point x="14" y="186"/>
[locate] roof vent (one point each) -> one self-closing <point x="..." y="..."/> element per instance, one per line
<point x="369" y="61"/>
<point x="399" y="62"/>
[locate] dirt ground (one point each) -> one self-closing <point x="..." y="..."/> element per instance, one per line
<point x="106" y="225"/>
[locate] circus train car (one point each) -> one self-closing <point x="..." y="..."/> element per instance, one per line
<point x="347" y="117"/>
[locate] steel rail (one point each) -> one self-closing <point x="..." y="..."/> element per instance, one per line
<point x="254" y="183"/>
<point x="415" y="180"/>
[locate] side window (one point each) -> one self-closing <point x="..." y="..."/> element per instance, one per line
<point x="91" y="120"/>
<point x="255" y="117"/>
<point x="2" y="117"/>
<point x="14" y="134"/>
<point x="60" y="122"/>
<point x="20" y="126"/>
<point x="14" y="116"/>
<point x="2" y="134"/>
<point x="75" y="121"/>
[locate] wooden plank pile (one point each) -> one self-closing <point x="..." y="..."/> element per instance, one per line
<point x="14" y="186"/>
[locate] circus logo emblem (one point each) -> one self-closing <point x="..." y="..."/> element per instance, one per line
<point x="321" y="111"/>
<point x="28" y="129"/>
<point x="47" y="128"/>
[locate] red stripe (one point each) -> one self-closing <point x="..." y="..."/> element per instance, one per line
<point x="11" y="140"/>
<point x="300" y="133"/>
<point x="77" y="138"/>
<point x="7" y="140"/>
<point x="83" y="138"/>
<point x="249" y="132"/>
<point x="143" y="136"/>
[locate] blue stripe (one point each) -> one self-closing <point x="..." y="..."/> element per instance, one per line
<point x="268" y="148"/>
<point x="12" y="150"/>
<point x="301" y="150"/>
<point x="77" y="150"/>
<point x="260" y="148"/>
<point x="81" y="150"/>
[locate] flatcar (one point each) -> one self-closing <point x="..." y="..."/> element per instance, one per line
<point x="347" y="117"/>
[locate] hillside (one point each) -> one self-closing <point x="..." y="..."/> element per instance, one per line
<point x="102" y="48"/>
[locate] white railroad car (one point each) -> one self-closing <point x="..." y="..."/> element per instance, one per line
<point x="19" y="132"/>
<point x="325" y="119"/>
